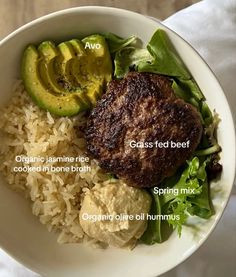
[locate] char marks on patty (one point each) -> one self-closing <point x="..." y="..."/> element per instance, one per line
<point x="142" y="107"/>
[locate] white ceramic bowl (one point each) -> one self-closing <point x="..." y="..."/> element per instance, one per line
<point x="23" y="237"/>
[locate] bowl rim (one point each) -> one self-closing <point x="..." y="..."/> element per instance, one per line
<point x="118" y="11"/>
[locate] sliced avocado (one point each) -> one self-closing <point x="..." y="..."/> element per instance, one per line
<point x="94" y="40"/>
<point x="64" y="64"/>
<point x="49" y="52"/>
<point x="78" y="69"/>
<point x="102" y="61"/>
<point x="63" y="105"/>
<point x="66" y="79"/>
<point x="78" y="47"/>
<point x="53" y="73"/>
<point x="99" y="65"/>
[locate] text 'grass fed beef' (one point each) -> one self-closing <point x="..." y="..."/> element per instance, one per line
<point x="142" y="108"/>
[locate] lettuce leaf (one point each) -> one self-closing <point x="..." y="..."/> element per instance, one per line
<point x="116" y="43"/>
<point x="201" y="205"/>
<point x="166" y="60"/>
<point x="127" y="58"/>
<point x="153" y="232"/>
<point x="188" y="186"/>
<point x="179" y="208"/>
<point x="209" y="145"/>
<point x="187" y="182"/>
<point x="192" y="198"/>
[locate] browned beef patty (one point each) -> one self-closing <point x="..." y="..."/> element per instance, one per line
<point x="142" y="108"/>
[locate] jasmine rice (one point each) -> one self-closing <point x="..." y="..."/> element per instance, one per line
<point x="55" y="197"/>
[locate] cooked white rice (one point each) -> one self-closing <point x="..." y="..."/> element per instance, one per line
<point x="55" y="197"/>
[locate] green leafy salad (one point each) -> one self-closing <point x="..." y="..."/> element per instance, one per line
<point x="188" y="191"/>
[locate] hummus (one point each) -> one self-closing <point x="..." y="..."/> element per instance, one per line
<point x="115" y="213"/>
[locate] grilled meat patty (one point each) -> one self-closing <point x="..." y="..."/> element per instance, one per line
<point x="142" y="107"/>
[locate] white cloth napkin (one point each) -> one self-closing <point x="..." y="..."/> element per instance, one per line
<point x="210" y="27"/>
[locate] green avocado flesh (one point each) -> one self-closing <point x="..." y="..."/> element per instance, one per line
<point x="68" y="78"/>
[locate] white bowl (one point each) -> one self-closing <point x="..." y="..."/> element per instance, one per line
<point x="24" y="238"/>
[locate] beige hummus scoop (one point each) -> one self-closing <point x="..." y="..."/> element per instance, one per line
<point x="115" y="214"/>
